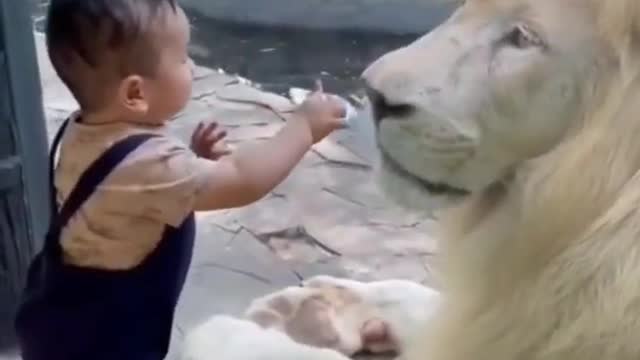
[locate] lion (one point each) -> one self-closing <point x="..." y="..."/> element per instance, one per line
<point x="526" y="114"/>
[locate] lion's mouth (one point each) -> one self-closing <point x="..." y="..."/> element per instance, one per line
<point x="434" y="188"/>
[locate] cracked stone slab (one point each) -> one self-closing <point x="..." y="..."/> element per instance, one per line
<point x="395" y="216"/>
<point x="252" y="132"/>
<point x="243" y="122"/>
<point x="304" y="177"/>
<point x="360" y="240"/>
<point x="249" y="94"/>
<point x="209" y="84"/>
<point x="297" y="250"/>
<point x="230" y="278"/>
<point x="385" y="267"/>
<point x="200" y="72"/>
<point x="210" y="241"/>
<point x="392" y="267"/>
<point x="271" y="214"/>
<point x="235" y="114"/>
<point x="325" y="210"/>
<point x="261" y="261"/>
<point x="355" y="185"/>
<point x="328" y="266"/>
<point x="315" y="175"/>
<point x="330" y="150"/>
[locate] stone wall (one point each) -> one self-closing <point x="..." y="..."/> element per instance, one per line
<point x="389" y="16"/>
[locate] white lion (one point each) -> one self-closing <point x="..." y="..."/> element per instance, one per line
<point x="527" y="112"/>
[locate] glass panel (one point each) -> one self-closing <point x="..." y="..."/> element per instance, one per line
<point x="7" y="133"/>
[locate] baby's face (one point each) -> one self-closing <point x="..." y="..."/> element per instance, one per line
<point x="170" y="90"/>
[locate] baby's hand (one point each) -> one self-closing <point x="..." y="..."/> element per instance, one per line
<point x="323" y="113"/>
<point x="208" y="142"/>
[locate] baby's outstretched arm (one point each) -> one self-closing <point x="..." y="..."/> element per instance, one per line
<point x="250" y="173"/>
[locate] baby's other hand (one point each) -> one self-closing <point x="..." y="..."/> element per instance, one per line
<point x="323" y="113"/>
<point x="208" y="141"/>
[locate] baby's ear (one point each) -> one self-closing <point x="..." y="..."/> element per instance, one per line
<point x="132" y="95"/>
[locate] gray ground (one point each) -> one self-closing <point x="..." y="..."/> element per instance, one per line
<point x="327" y="217"/>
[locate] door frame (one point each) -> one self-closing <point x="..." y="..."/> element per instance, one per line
<point x="29" y="126"/>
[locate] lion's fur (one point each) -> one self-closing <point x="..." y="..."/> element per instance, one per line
<point x="335" y="312"/>
<point x="324" y="318"/>
<point x="223" y="337"/>
<point x="619" y="22"/>
<point x="547" y="266"/>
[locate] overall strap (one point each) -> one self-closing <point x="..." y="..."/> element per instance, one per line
<point x="52" y="164"/>
<point x="96" y="173"/>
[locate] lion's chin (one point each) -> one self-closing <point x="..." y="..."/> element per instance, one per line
<point x="412" y="193"/>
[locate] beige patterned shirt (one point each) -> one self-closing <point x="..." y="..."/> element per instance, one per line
<point x="123" y="221"/>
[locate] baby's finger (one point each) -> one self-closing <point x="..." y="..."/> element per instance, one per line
<point x="218" y="135"/>
<point x="318" y="97"/>
<point x="319" y="86"/>
<point x="209" y="130"/>
<point x="339" y="108"/>
<point x="208" y="135"/>
<point x="197" y="132"/>
<point x="218" y="153"/>
<point x="319" y="91"/>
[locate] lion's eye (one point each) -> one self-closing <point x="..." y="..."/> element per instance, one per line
<point x="522" y="37"/>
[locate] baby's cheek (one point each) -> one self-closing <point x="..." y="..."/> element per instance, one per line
<point x="179" y="89"/>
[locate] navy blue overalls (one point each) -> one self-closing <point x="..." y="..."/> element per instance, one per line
<point x="74" y="313"/>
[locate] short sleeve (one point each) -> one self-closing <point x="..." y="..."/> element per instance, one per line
<point x="160" y="180"/>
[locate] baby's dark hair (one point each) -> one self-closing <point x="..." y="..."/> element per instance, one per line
<point x="85" y="35"/>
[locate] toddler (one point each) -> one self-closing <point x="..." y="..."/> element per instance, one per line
<point x="115" y="259"/>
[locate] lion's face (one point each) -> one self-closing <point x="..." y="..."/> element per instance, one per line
<point x="497" y="84"/>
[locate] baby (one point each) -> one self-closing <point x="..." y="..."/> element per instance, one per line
<point x="124" y="194"/>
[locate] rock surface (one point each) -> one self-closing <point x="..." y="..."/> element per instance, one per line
<point x="391" y="16"/>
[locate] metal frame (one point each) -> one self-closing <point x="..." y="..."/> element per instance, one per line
<point x="23" y="158"/>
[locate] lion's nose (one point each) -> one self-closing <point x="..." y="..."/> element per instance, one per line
<point x="385" y="110"/>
